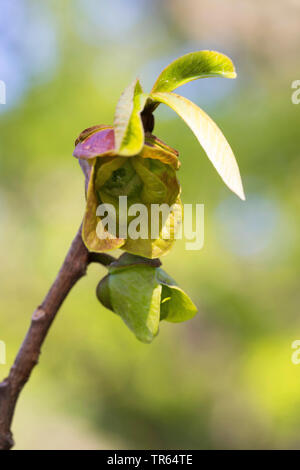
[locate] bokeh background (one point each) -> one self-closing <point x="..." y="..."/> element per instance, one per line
<point x="224" y="380"/>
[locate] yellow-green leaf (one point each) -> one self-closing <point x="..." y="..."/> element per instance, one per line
<point x="176" y="306"/>
<point x="209" y="136"/>
<point x="128" y="126"/>
<point x="192" y="66"/>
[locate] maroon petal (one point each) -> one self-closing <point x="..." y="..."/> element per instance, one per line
<point x="86" y="168"/>
<point x="99" y="143"/>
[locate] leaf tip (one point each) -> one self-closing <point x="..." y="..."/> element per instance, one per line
<point x="231" y="74"/>
<point x="240" y="192"/>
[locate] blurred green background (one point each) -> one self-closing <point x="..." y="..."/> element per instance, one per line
<point x="224" y="380"/>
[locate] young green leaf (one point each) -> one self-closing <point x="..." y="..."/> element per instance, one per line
<point x="128" y="126"/>
<point x="176" y="306"/>
<point x="192" y="66"/>
<point x="135" y="295"/>
<point x="209" y="136"/>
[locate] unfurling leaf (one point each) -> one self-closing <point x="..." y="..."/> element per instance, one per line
<point x="200" y="64"/>
<point x="135" y="295"/>
<point x="125" y="161"/>
<point x="142" y="294"/>
<point x="176" y="305"/>
<point x="209" y="136"/>
<point x="128" y="126"/>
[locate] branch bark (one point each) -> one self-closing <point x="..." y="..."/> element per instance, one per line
<point x="73" y="268"/>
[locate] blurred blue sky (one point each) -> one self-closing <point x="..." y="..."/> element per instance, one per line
<point x="28" y="47"/>
<point x="122" y="31"/>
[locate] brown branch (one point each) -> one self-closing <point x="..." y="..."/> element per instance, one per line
<point x="73" y="268"/>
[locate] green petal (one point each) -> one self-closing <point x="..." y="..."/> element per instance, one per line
<point x="192" y="66"/>
<point x="154" y="141"/>
<point x="209" y="136"/>
<point x="154" y="190"/>
<point x="160" y="187"/>
<point x="129" y="131"/>
<point x="90" y="221"/>
<point x="155" y="248"/>
<point x="119" y="178"/>
<point x="135" y="295"/>
<point x="158" y="153"/>
<point x="106" y="170"/>
<point x="176" y="305"/>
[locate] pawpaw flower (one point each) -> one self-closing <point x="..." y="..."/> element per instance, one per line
<point x="143" y="295"/>
<point x="146" y="178"/>
<point x="124" y="160"/>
